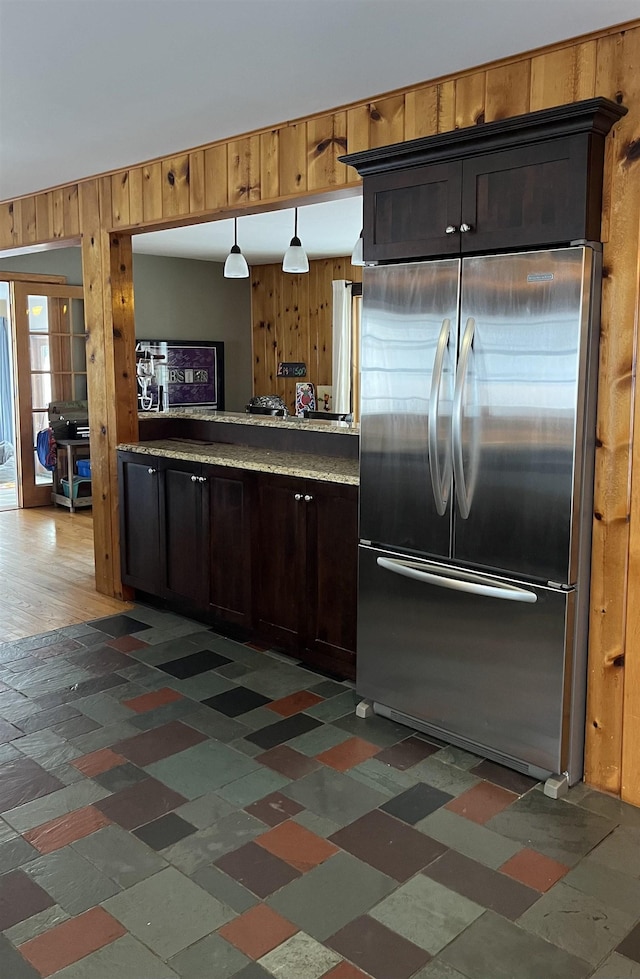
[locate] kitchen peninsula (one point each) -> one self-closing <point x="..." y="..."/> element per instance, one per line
<point x="248" y="522"/>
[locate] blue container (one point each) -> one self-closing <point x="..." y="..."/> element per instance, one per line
<point x="79" y="487"/>
<point x="84" y="468"/>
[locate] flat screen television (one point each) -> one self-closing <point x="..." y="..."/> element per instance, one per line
<point x="180" y="374"/>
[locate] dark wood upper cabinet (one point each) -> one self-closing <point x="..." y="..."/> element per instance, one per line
<point x="408" y="212"/>
<point x="528" y="181"/>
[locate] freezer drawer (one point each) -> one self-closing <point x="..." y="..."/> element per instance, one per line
<point x="488" y="670"/>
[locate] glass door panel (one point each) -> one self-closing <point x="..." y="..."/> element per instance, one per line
<point x="51" y="367"/>
<point x="9" y="474"/>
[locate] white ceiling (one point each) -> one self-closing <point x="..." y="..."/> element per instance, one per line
<point x="326" y="230"/>
<point x="88" y="86"/>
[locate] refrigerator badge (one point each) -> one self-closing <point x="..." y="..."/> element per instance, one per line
<point x="540" y="277"/>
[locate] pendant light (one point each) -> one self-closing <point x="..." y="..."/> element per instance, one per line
<point x="295" y="258"/>
<point x="236" y="266"/>
<point x="356" y="255"/>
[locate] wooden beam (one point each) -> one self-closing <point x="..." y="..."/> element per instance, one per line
<point x="111" y="378"/>
<point x="613" y="590"/>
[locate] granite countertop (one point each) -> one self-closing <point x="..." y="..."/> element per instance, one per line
<point x="323" y="468"/>
<point x="244" y="418"/>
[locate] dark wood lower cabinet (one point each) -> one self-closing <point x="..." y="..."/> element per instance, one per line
<point x="272" y="556"/>
<point x="279" y="560"/>
<point x="139" y="481"/>
<point x="230" y="512"/>
<point x="183" y="532"/>
<point x="331" y="573"/>
<point x="305" y="569"/>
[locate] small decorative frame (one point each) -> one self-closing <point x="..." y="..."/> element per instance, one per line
<point x="305" y="397"/>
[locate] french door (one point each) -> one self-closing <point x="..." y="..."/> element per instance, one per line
<point x="50" y="367"/>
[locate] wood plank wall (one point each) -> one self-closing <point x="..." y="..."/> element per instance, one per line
<point x="298" y="160"/>
<point x="291" y="318"/>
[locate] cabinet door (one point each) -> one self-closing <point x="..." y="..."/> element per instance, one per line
<point x="331" y="577"/>
<point x="279" y="559"/>
<point x="229" y="547"/>
<point x="183" y="531"/>
<point x="138" y="479"/>
<point x="406" y="213"/>
<point x="534" y="195"/>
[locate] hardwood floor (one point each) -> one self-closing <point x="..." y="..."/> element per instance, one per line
<point x="46" y="572"/>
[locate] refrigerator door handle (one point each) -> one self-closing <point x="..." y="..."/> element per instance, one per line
<point x="464" y="492"/>
<point x="440" y="482"/>
<point x="509" y="593"/>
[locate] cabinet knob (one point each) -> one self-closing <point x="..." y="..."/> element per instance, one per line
<point x="194" y="479"/>
<point x="465" y="227"/>
<point x="450" y="229"/>
<point x="297" y="496"/>
<point x="151" y="471"/>
<point x="308" y="498"/>
<point x="202" y="479"/>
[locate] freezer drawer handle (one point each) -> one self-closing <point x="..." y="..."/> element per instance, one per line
<point x="464" y="492"/>
<point x="509" y="593"/>
<point x="440" y="482"/>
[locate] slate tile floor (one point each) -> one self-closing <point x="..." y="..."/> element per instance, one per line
<point x="176" y="804"/>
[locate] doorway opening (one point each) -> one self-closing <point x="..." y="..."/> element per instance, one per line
<point x="42" y="361"/>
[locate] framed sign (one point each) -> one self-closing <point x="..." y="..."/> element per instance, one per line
<point x="180" y="374"/>
<point x="292" y="369"/>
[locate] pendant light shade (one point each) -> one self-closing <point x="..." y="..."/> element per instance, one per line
<point x="295" y="258"/>
<point x="236" y="266"/>
<point x="356" y="255"/>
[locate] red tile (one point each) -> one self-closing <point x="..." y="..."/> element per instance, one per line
<point x="348" y="754"/>
<point x="98" y="762"/>
<point x="143" y="749"/>
<point x="140" y="804"/>
<point x="20" y="898"/>
<point x="481" y="802"/>
<point x="534" y="869"/>
<point x="257" y="931"/>
<point x="71" y="941"/>
<point x="149" y="701"/>
<point x="294" y="703"/>
<point x="407" y="753"/>
<point x="378" y="949"/>
<point x="345" y="971"/>
<point x="58" y="832"/>
<point x="274" y="808"/>
<point x="288" y="761"/>
<point x="126" y="644"/>
<point x="297" y="846"/>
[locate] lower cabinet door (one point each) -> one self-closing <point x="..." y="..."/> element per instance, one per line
<point x="184" y="518"/>
<point x="331" y="577"/>
<point x="138" y="478"/>
<point x="229" y="544"/>
<point x="279" y="560"/>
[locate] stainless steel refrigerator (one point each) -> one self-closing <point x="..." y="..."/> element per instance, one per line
<point x="477" y="441"/>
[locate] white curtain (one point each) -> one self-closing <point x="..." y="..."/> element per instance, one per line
<point x="341" y="363"/>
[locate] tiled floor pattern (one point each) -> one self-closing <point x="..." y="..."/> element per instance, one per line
<point x="176" y="804"/>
